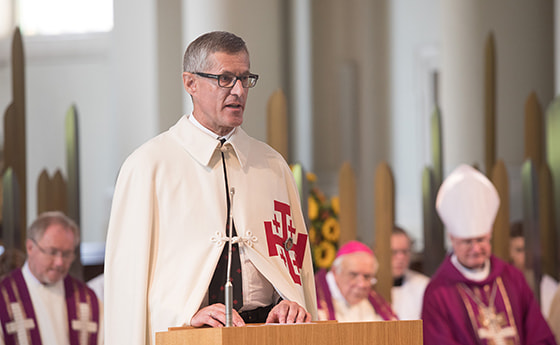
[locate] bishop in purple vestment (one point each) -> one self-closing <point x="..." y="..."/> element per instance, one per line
<point x="345" y="292"/>
<point x="474" y="297"/>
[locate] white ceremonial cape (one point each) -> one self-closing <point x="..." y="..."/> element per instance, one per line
<point x="168" y="220"/>
<point x="407" y="299"/>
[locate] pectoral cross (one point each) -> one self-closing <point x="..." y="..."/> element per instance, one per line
<point x="492" y="326"/>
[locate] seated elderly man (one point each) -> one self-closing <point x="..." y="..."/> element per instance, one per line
<point x="345" y="293"/>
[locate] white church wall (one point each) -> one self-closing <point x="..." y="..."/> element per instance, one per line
<point x="415" y="46"/>
<point x="524" y="61"/>
<point x="60" y="72"/>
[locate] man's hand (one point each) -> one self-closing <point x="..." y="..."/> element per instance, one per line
<point x="288" y="312"/>
<point x="215" y="316"/>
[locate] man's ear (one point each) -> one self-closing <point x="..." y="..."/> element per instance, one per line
<point x="189" y="82"/>
<point x="28" y="245"/>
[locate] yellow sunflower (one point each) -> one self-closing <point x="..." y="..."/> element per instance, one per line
<point x="311" y="177"/>
<point x="331" y="229"/>
<point x="312" y="235"/>
<point x="335" y="204"/>
<point x="324" y="254"/>
<point x="313" y="208"/>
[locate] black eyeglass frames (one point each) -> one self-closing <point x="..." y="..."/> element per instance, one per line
<point x="228" y="80"/>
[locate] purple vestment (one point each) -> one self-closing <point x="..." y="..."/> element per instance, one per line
<point x="454" y="308"/>
<point x="18" y="320"/>
<point x="324" y="299"/>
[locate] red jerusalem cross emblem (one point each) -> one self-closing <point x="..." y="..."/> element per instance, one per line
<point x="282" y="242"/>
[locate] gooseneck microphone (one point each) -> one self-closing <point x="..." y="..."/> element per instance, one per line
<point x="228" y="285"/>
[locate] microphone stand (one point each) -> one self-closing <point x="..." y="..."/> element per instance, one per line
<point x="229" y="286"/>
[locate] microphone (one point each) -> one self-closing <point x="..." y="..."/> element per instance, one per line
<point x="229" y="286"/>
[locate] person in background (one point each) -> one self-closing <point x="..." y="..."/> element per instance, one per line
<point x="475" y="297"/>
<point x="517" y="245"/>
<point x="11" y="259"/>
<point x="180" y="195"/>
<point x="345" y="293"/>
<point x="548" y="284"/>
<point x="408" y="285"/>
<point x="41" y="303"/>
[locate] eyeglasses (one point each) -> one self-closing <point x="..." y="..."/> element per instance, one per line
<point x="53" y="253"/>
<point x="353" y="276"/>
<point x="228" y="80"/>
<point x="405" y="252"/>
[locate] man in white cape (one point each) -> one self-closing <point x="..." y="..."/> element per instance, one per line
<point x="170" y="213"/>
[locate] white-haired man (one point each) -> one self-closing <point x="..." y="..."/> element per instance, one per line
<point x="345" y="292"/>
<point x="474" y="297"/>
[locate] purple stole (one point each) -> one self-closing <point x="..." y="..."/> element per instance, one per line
<point x="19" y="323"/>
<point x="490" y="313"/>
<point x="325" y="302"/>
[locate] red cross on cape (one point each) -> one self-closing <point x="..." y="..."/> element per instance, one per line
<point x="284" y="241"/>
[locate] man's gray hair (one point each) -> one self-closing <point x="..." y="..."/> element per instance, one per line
<point x="46" y="219"/>
<point x="197" y="53"/>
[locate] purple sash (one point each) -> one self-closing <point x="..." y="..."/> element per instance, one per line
<point x="18" y="317"/>
<point x="325" y="302"/>
<point x="83" y="312"/>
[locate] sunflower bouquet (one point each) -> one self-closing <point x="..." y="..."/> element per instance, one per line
<point x="324" y="229"/>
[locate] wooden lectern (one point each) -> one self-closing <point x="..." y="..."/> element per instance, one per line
<point x="323" y="333"/>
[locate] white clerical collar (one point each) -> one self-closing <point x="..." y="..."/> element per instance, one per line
<point x="209" y="132"/>
<point x="335" y="291"/>
<point x="472" y="274"/>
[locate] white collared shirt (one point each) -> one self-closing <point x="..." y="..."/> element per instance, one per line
<point x="476" y="275"/>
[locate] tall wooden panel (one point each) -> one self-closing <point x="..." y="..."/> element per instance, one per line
<point x="437" y="147"/>
<point x="14" y="131"/>
<point x="553" y="159"/>
<point x="73" y="169"/>
<point x="52" y="193"/>
<point x="384" y="221"/>
<point x="348" y="204"/>
<point x="434" y="243"/>
<point x="548" y="240"/>
<point x="500" y="233"/>
<point x="534" y="131"/>
<point x="434" y="240"/>
<point x="533" y="253"/>
<point x="277" y="125"/>
<point x="490" y="104"/>
<point x="11" y="226"/>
